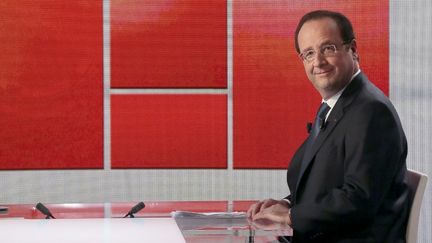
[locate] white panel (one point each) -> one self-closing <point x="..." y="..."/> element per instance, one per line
<point x="92" y="186"/>
<point x="411" y="89"/>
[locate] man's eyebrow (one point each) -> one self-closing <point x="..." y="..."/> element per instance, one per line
<point x="327" y="42"/>
<point x="307" y="49"/>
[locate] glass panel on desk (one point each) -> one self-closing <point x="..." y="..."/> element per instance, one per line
<point x="227" y="227"/>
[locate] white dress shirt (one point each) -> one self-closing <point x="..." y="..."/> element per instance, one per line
<point x="332" y="100"/>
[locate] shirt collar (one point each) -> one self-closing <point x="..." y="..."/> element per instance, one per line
<point x="332" y="100"/>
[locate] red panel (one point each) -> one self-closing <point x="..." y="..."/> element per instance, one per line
<point x="168" y="131"/>
<point x="164" y="208"/>
<point x="273" y="99"/>
<point x="168" y="43"/>
<point x="97" y="210"/>
<point x="242" y="206"/>
<point x="59" y="211"/>
<point x="51" y="84"/>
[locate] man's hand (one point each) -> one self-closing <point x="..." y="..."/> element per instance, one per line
<point x="262" y="206"/>
<point x="270" y="209"/>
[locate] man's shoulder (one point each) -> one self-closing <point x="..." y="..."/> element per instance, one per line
<point x="370" y="96"/>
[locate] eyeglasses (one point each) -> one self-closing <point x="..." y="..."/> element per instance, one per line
<point x="327" y="50"/>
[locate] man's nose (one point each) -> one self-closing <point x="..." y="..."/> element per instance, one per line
<point x="319" y="60"/>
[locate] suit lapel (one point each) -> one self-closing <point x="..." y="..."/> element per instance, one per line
<point x="335" y="116"/>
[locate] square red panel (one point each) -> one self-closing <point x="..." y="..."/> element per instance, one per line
<point x="168" y="43"/>
<point x="168" y="131"/>
<point x="51" y="84"/>
<point x="273" y="99"/>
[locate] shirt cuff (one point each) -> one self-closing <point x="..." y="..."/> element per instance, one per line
<point x="288" y="201"/>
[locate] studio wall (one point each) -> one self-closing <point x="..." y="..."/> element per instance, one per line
<point x="53" y="82"/>
<point x="108" y="101"/>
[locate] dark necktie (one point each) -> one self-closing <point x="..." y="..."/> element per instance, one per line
<point x="319" y="121"/>
<point x="316" y="127"/>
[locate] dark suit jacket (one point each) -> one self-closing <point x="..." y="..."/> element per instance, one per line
<point x="352" y="187"/>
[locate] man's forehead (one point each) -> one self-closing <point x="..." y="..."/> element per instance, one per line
<point x="318" y="32"/>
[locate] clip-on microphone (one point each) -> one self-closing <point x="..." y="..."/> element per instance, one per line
<point x="44" y="210"/>
<point x="3" y="209"/>
<point x="309" y="127"/>
<point x="135" y="209"/>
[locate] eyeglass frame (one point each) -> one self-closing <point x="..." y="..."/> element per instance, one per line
<point x="336" y="49"/>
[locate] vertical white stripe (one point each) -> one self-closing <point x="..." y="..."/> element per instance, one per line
<point x="230" y="85"/>
<point x="107" y="210"/>
<point x="107" y="83"/>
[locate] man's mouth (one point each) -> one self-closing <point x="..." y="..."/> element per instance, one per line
<point x="322" y="72"/>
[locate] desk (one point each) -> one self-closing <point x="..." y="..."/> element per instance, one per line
<point x="94" y="230"/>
<point x="202" y="230"/>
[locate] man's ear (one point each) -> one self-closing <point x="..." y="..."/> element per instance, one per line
<point x="354" y="50"/>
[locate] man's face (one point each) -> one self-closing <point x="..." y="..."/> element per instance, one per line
<point x="328" y="74"/>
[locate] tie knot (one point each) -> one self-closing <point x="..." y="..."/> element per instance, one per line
<point x="323" y="110"/>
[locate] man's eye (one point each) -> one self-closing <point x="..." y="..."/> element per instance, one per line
<point x="329" y="49"/>
<point x="308" y="54"/>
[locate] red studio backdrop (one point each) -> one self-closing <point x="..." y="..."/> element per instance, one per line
<point x="169" y="131"/>
<point x="168" y="43"/>
<point x="51" y="81"/>
<point x="51" y="110"/>
<point x="273" y="99"/>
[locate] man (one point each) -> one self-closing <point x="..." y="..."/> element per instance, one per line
<point x="347" y="179"/>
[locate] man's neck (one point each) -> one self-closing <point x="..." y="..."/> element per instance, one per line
<point x="338" y="92"/>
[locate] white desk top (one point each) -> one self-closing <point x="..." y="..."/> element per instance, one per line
<point x="106" y="230"/>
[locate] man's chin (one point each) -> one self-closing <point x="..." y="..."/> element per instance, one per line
<point x="322" y="84"/>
